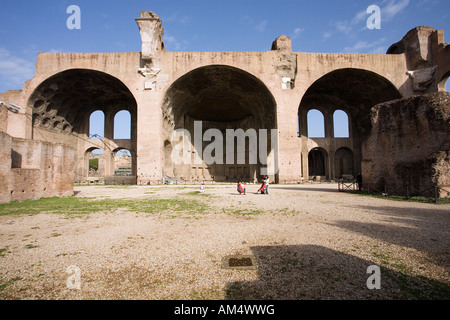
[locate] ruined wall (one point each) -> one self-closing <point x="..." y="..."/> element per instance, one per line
<point x="69" y="86"/>
<point x="32" y="169"/>
<point x="409" y="143"/>
<point x="3" y="118"/>
<point x="426" y="59"/>
<point x="17" y="123"/>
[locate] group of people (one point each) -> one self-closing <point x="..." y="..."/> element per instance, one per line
<point x="264" y="189"/>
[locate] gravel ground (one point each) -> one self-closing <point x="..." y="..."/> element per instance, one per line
<point x="309" y="241"/>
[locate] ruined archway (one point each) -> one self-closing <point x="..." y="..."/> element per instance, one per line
<point x="220" y="97"/>
<point x="123" y="163"/>
<point x="318" y="163"/>
<point x="94" y="163"/>
<point x="354" y="90"/>
<point x="343" y="164"/>
<point x="61" y="107"/>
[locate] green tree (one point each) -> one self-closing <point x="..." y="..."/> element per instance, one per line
<point x="93" y="164"/>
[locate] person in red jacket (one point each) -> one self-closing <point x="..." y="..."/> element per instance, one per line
<point x="262" y="189"/>
<point x="241" y="187"/>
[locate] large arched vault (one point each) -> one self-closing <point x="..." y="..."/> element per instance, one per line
<point x="354" y="90"/>
<point x="221" y="97"/>
<point x="69" y="96"/>
<point x="61" y="107"/>
<point x="222" y="94"/>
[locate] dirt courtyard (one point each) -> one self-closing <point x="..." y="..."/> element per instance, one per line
<point x="309" y="241"/>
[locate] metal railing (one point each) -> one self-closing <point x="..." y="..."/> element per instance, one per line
<point x="432" y="193"/>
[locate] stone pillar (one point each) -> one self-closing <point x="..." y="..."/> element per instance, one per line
<point x="133" y="150"/>
<point x="151" y="30"/>
<point x="109" y="125"/>
<point x="303" y="129"/>
<point x="148" y="157"/>
<point x="108" y="141"/>
<point x="149" y="146"/>
<point x="305" y="168"/>
<point x="332" y="162"/>
<point x="328" y="123"/>
<point x="3" y="118"/>
<point x="286" y="62"/>
<point x="82" y="170"/>
<point x="331" y="149"/>
<point x="5" y="167"/>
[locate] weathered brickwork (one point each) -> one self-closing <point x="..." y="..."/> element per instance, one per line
<point x="31" y="169"/>
<point x="409" y="144"/>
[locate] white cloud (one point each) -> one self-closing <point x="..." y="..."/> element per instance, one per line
<point x="378" y="50"/>
<point x="326" y="35"/>
<point x="297" y="33"/>
<point x="346" y="26"/>
<point x="393" y="7"/>
<point x="14" y="71"/>
<point x="427" y="4"/>
<point x="367" y="47"/>
<point x="246" y="19"/>
<point x="261" y="26"/>
<point x="185" y="20"/>
<point x="343" y="26"/>
<point x="173" y="44"/>
<point x="176" y="18"/>
<point x="360" y="45"/>
<point x="359" y="17"/>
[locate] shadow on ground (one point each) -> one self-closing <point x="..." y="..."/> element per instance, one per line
<point x="315" y="272"/>
<point x="423" y="229"/>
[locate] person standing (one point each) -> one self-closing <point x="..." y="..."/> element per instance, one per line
<point x="266" y="181"/>
<point x="359" y="181"/>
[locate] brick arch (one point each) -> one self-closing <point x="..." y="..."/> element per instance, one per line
<point x="61" y="106"/>
<point x="101" y="163"/>
<point x="344" y="163"/>
<point x="353" y="90"/>
<point x="233" y="90"/>
<point x="66" y="97"/>
<point x="222" y="97"/>
<point x="318" y="163"/>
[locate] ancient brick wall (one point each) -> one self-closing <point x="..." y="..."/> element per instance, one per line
<point x="3" y="118"/>
<point x="32" y="169"/>
<point x="5" y="166"/>
<point x="409" y="143"/>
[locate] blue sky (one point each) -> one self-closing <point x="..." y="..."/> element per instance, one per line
<point x="29" y="27"/>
